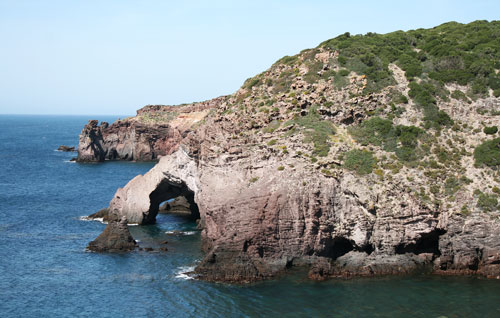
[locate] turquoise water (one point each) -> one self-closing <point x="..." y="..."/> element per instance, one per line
<point x="45" y="271"/>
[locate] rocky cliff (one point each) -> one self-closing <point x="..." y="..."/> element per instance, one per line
<point x="367" y="155"/>
<point x="156" y="131"/>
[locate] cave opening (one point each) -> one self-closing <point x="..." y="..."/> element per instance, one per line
<point x="170" y="197"/>
<point x="426" y="243"/>
<point x="336" y="247"/>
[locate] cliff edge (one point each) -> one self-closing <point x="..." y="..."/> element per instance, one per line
<point x="368" y="155"/>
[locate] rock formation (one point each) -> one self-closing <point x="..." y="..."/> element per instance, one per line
<point x="64" y="148"/>
<point x="115" y="238"/>
<point x="347" y="165"/>
<point x="179" y="205"/>
<point x="156" y="131"/>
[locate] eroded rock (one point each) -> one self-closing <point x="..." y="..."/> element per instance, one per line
<point x="115" y="238"/>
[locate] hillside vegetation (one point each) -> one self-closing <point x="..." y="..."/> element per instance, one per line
<point x="418" y="109"/>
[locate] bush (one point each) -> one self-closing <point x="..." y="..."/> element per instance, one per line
<point x="488" y="153"/>
<point x="254" y="179"/>
<point x="403" y="140"/>
<point x="459" y="95"/>
<point x="281" y="168"/>
<point x="317" y="131"/>
<point x="490" y="130"/>
<point x="361" y="161"/>
<point x="272" y="142"/>
<point x="487" y="202"/>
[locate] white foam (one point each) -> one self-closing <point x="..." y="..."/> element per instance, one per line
<point x="181" y="232"/>
<point x="86" y="218"/>
<point x="183" y="272"/>
<point x="69" y="161"/>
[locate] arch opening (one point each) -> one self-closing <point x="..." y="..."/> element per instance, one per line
<point x="166" y="191"/>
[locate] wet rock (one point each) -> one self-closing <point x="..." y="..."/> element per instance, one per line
<point x="360" y="264"/>
<point x="104" y="215"/>
<point x="66" y="148"/>
<point x="115" y="238"/>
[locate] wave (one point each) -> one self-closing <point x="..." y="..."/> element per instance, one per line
<point x="181" y="232"/>
<point x="87" y="219"/>
<point x="184" y="272"/>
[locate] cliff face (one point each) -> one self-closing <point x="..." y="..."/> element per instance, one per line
<point x="156" y="131"/>
<point x="350" y="165"/>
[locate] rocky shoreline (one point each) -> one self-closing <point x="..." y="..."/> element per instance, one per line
<point x="310" y="164"/>
<point x="156" y="131"/>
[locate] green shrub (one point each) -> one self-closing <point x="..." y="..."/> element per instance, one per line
<point x="490" y="130"/>
<point x="488" y="153"/>
<point x="451" y="185"/>
<point x="423" y="95"/>
<point x="272" y="142"/>
<point x="254" y="179"/>
<point x="317" y="131"/>
<point x="288" y="60"/>
<point x="496" y="92"/>
<point x="361" y="161"/>
<point x="343" y="72"/>
<point x="459" y="95"/>
<point x="275" y="124"/>
<point x="251" y="82"/>
<point x="312" y="75"/>
<point x="281" y="168"/>
<point x="487" y="202"/>
<point x="402" y="140"/>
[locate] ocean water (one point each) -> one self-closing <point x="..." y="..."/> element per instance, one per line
<point x="46" y="272"/>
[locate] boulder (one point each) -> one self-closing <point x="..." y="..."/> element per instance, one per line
<point x="115" y="238"/>
<point x="66" y="148"/>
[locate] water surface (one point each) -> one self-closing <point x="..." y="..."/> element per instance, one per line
<point x="46" y="272"/>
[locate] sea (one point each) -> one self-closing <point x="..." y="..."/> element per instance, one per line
<point x="45" y="270"/>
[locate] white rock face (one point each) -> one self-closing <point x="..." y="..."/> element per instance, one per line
<point x="173" y="174"/>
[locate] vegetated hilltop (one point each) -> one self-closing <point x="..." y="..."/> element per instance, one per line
<point x="370" y="154"/>
<point x="419" y="108"/>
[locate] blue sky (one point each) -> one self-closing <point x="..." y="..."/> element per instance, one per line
<point x="115" y="56"/>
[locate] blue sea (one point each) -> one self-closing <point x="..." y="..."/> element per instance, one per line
<point x="46" y="272"/>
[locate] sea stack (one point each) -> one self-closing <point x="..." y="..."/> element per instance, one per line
<point x="115" y="238"/>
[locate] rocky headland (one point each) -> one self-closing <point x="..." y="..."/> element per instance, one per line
<point x="368" y="155"/>
<point x="156" y="131"/>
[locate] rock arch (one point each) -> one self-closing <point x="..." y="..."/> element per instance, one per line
<point x="174" y="175"/>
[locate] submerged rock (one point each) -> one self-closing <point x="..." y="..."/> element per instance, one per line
<point x="66" y="148"/>
<point x="115" y="238"/>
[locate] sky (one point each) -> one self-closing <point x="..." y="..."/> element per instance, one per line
<point x="112" y="57"/>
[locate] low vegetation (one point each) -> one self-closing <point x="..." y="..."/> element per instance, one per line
<point x="361" y="161"/>
<point x="488" y="153"/>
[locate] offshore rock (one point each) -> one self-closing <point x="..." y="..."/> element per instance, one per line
<point x="90" y="146"/>
<point x="115" y="238"/>
<point x="64" y="148"/>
